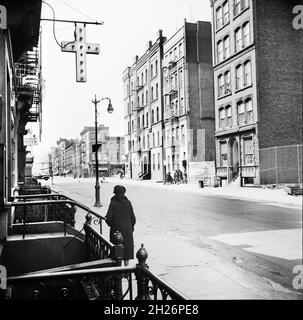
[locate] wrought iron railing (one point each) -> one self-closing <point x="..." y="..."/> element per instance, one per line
<point x="115" y="283"/>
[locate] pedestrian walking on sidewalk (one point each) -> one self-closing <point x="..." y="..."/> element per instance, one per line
<point x="120" y="217"/>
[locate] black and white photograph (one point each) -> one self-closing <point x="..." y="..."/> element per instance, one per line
<point x="151" y="151"/>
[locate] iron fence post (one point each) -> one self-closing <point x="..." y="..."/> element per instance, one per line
<point x="142" y="280"/>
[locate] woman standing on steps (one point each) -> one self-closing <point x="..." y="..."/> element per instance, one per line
<point x="120" y="217"/>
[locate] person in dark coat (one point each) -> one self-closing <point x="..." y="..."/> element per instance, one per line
<point x="120" y="217"/>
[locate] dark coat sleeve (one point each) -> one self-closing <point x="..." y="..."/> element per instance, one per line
<point x="109" y="215"/>
<point x="132" y="216"/>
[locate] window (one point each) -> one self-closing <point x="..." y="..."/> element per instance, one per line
<point x="147" y="119"/>
<point x="142" y="78"/>
<point x="158" y="161"/>
<point x="225" y="12"/>
<point x="177" y="134"/>
<point x="182" y="105"/>
<point x="153" y="116"/>
<point x="158" y="138"/>
<point x="138" y="106"/>
<point x="173" y="136"/>
<point x="248" y="151"/>
<point x="220" y="85"/>
<point x="219" y="17"/>
<point x="220" y="50"/>
<point x="247" y="73"/>
<point x="146" y="97"/>
<point x="158" y="114"/>
<point x="142" y="99"/>
<point x="153" y="139"/>
<point x="143" y="121"/>
<point x="147" y="141"/>
<point x="139" y="122"/>
<point x="154" y="161"/>
<point x="181" y="78"/>
<point x="223" y="154"/>
<point x="157" y="90"/>
<point x="222" y="120"/>
<point x="156" y="67"/>
<point x="132" y="125"/>
<point x="237" y="7"/>
<point x="226" y="47"/>
<point x="152" y="93"/>
<point x="175" y="54"/>
<point x="246" y="34"/>
<point x="146" y="76"/>
<point x="182" y="134"/>
<point x="143" y="142"/>
<point x="241" y="113"/>
<point x="239" y="77"/>
<point x="180" y="50"/>
<point x="249" y="111"/>
<point x="238" y="35"/>
<point x="228" y="116"/>
<point x="151" y="71"/>
<point x="227" y="82"/>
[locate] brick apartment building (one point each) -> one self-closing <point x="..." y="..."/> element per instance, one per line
<point x="188" y="101"/>
<point x="143" y="113"/>
<point x="168" y="102"/>
<point x="257" y="58"/>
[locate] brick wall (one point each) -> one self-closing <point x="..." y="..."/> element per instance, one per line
<point x="279" y="73"/>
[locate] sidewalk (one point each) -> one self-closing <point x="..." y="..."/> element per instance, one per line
<point x="278" y="197"/>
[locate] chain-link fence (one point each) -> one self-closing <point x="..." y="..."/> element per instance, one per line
<point x="281" y="165"/>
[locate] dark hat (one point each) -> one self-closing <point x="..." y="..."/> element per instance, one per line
<point x="119" y="190"/>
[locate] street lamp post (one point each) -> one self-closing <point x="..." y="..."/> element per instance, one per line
<point x="96" y="148"/>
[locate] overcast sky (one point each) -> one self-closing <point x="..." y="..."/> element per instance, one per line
<point x="128" y="26"/>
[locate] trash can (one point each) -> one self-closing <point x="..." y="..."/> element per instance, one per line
<point x="201" y="184"/>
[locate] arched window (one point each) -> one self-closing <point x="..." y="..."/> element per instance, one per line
<point x="147" y="119"/>
<point x="152" y="93"/>
<point x="139" y="119"/>
<point x="238" y="36"/>
<point x="142" y="79"/>
<point x="222" y="118"/>
<point x="249" y="110"/>
<point x="153" y="139"/>
<point x="220" y="85"/>
<point x="145" y="75"/>
<point x="227" y="82"/>
<point x="143" y="121"/>
<point x="153" y="116"/>
<point x="239" y="76"/>
<point x="158" y="138"/>
<point x="138" y="101"/>
<point x="132" y="106"/>
<point x="143" y="142"/>
<point x="237" y="7"/>
<point x="146" y="97"/>
<point x="219" y="17"/>
<point x="157" y="90"/>
<point x="225" y="12"/>
<point x="228" y="116"/>
<point x="247" y="73"/>
<point x="142" y="99"/>
<point x="220" y="50"/>
<point x="151" y="70"/>
<point x="246" y="34"/>
<point x="241" y="113"/>
<point x="157" y="114"/>
<point x="156" y="67"/>
<point x="226" y="47"/>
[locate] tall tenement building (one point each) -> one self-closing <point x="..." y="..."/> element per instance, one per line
<point x="257" y="58"/>
<point x="169" y="108"/>
<point x="143" y="112"/>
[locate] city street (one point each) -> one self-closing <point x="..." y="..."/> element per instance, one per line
<point x="207" y="247"/>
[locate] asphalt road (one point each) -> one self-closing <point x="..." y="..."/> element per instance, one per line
<point x="206" y="247"/>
